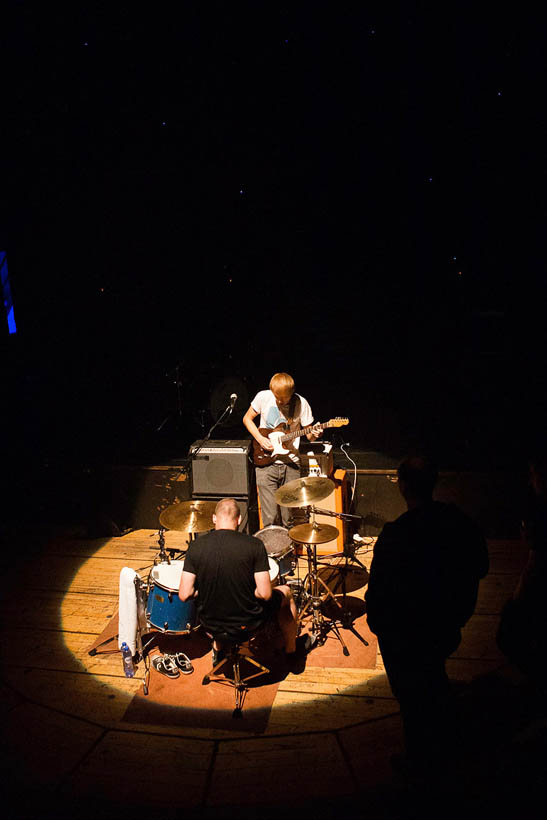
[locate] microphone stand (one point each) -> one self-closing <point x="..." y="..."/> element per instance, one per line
<point x="185" y="466"/>
<point x="178" y="385"/>
<point x="217" y="422"/>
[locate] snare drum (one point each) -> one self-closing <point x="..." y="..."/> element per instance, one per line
<point x="164" y="608"/>
<point x="279" y="547"/>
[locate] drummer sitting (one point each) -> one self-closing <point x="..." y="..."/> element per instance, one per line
<point x="227" y="571"/>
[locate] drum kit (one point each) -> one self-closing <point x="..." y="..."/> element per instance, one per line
<point x="158" y="603"/>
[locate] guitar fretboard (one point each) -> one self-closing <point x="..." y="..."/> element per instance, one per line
<point x="304" y="431"/>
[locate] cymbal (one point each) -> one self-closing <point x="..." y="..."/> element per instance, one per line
<point x="189" y="516"/>
<point x="313" y="533"/>
<point x="304" y="491"/>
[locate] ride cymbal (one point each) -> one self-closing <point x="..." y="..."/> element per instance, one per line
<point x="189" y="516"/>
<point x="313" y="533"/>
<point x="304" y="491"/>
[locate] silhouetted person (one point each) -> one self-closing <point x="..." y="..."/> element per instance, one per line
<point x="522" y="631"/>
<point x="423" y="588"/>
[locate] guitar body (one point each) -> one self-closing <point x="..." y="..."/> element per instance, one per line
<point x="262" y="457"/>
<point x="280" y="436"/>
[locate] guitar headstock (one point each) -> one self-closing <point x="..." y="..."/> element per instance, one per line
<point x="339" y="421"/>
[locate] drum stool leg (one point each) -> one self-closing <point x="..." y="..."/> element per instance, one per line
<point x="236" y="653"/>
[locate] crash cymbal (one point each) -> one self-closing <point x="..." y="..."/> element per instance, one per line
<point x="189" y="516"/>
<point x="304" y="491"/>
<point x="313" y="533"/>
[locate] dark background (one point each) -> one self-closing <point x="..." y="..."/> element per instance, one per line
<point x="197" y="195"/>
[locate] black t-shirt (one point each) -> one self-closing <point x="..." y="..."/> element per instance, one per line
<point x="224" y="563"/>
<point x="425" y="571"/>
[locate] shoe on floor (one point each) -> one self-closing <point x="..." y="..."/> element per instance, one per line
<point x="165" y="665"/>
<point x="305" y="644"/>
<point x="182" y="661"/>
<point x="296" y="663"/>
<point x="297" y="660"/>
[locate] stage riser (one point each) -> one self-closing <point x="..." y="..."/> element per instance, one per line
<point x="134" y="497"/>
<point x="493" y="500"/>
<point x="138" y="495"/>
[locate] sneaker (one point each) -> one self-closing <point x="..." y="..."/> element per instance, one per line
<point x="165" y="665"/>
<point x="297" y="660"/>
<point x="183" y="662"/>
<point x="305" y="644"/>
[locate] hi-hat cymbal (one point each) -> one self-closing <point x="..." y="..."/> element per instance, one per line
<point x="304" y="491"/>
<point x="313" y="533"/>
<point x="189" y="516"/>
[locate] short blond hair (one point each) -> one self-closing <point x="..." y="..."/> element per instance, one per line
<point x="282" y="381"/>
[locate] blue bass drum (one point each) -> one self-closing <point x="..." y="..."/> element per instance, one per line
<point x="164" y="608"/>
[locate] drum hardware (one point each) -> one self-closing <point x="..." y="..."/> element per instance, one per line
<point x="348" y="554"/>
<point x="163" y="554"/>
<point x="168" y="554"/>
<point x="299" y="593"/>
<point x="310" y="535"/>
<point x="280" y="549"/>
<point x="349" y="549"/>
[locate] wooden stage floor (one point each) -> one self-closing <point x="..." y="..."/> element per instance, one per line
<point x="326" y="747"/>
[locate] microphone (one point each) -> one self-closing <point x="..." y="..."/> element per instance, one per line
<point x="233" y="399"/>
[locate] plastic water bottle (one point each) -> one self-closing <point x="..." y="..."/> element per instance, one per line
<point x="127" y="658"/>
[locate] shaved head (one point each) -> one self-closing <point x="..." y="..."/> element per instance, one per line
<point x="227" y="514"/>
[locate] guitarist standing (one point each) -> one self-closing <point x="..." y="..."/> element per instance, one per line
<point x="279" y="408"/>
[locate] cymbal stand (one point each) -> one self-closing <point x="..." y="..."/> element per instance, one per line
<point x="167" y="555"/>
<point x="348" y="554"/>
<point x="163" y="555"/>
<point x="320" y="626"/>
<point x="346" y="619"/>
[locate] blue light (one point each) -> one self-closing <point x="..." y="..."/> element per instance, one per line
<point x="11" y="322"/>
<point x="6" y="290"/>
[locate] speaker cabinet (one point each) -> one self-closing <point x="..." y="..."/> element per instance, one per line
<point x="220" y="468"/>
<point x="377" y="500"/>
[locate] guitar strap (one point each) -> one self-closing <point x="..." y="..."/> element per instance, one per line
<point x="294" y="411"/>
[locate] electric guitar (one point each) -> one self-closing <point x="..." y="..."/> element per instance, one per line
<point x="279" y="437"/>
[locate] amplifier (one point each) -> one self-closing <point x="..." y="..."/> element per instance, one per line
<point x="220" y="468"/>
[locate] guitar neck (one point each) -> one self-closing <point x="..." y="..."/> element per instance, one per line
<point x="304" y="431"/>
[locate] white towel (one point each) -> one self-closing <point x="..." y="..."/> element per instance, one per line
<point x="127" y="612"/>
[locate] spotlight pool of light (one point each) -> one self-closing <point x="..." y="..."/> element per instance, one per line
<point x="92" y="599"/>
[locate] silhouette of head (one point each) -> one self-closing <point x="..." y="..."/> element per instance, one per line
<point x="417" y="477"/>
<point x="538" y="471"/>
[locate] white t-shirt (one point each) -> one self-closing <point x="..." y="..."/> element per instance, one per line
<point x="271" y="415"/>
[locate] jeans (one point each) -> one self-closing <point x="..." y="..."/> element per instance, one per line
<point x="268" y="480"/>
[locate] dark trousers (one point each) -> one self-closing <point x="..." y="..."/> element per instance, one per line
<point x="416" y="669"/>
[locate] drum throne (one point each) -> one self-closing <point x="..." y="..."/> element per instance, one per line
<point x="235" y="650"/>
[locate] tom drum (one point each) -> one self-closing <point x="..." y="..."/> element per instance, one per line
<point x="279" y="548"/>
